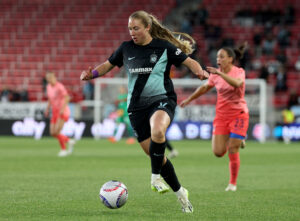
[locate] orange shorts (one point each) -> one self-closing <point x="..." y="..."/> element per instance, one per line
<point x="236" y="125"/>
<point x="56" y="116"/>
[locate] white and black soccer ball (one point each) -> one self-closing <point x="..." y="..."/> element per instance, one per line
<point x="113" y="194"/>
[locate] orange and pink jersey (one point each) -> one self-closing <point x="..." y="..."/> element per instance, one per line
<point x="230" y="100"/>
<point x="57" y="95"/>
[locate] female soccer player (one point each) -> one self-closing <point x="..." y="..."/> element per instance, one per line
<point x="232" y="118"/>
<point x="58" y="100"/>
<point x="147" y="59"/>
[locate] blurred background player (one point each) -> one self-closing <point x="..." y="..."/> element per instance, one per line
<point x="147" y="59"/>
<point x="232" y="117"/>
<point x="58" y="100"/>
<point x="122" y="119"/>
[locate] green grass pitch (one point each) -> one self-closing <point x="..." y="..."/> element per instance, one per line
<point x="35" y="184"/>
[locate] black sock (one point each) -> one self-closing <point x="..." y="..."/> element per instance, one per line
<point x="169" y="175"/>
<point x="169" y="146"/>
<point x="157" y="151"/>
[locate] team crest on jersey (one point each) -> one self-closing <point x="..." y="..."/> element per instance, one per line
<point x="153" y="58"/>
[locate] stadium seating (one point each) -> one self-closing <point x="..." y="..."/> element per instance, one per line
<point x="64" y="36"/>
<point x="222" y="13"/>
<point x="67" y="36"/>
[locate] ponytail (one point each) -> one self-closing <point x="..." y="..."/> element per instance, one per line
<point x="236" y="53"/>
<point x="240" y="50"/>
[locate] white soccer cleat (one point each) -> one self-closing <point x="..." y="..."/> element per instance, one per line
<point x="159" y="186"/>
<point x="231" y="187"/>
<point x="71" y="144"/>
<point x="174" y="153"/>
<point x="183" y="198"/>
<point x="63" y="153"/>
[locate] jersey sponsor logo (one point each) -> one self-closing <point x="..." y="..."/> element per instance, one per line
<point x="153" y="58"/>
<point x="130" y="58"/>
<point x="178" y="51"/>
<point x="140" y="70"/>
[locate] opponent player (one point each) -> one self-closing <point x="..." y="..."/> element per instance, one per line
<point x="147" y="59"/>
<point x="232" y="118"/>
<point x="58" y="100"/>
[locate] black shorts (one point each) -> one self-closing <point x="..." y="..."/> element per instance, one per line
<point x="140" y="120"/>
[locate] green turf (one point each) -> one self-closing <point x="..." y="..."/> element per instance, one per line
<point x="37" y="185"/>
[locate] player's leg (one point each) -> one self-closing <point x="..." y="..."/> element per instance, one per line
<point x="62" y="139"/>
<point x="168" y="145"/>
<point x="220" y="136"/>
<point x="169" y="175"/>
<point x="234" y="160"/>
<point x="173" y="152"/>
<point x="220" y="144"/>
<point x="238" y="131"/>
<point x="159" y="123"/>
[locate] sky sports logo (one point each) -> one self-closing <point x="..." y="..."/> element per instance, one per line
<point x="140" y="70"/>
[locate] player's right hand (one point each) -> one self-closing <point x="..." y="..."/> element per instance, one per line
<point x="204" y="75"/>
<point x="86" y="75"/>
<point x="184" y="103"/>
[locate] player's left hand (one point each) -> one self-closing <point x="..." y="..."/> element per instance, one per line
<point x="213" y="70"/>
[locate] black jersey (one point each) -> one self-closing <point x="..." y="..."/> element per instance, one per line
<point x="148" y="70"/>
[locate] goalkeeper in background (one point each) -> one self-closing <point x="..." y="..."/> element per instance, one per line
<point x="122" y="119"/>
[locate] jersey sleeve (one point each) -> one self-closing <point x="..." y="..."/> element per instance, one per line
<point x="175" y="55"/>
<point x="117" y="57"/>
<point x="241" y="74"/>
<point x="63" y="90"/>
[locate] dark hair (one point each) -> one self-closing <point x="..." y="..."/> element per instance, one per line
<point x="236" y="53"/>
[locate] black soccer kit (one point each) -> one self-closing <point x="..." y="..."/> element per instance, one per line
<point x="149" y="85"/>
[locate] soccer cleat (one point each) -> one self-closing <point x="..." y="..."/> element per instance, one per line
<point x="71" y="144"/>
<point x="63" y="153"/>
<point x="186" y="205"/>
<point x="112" y="139"/>
<point x="243" y="144"/>
<point x="231" y="187"/>
<point x="174" y="153"/>
<point x="130" y="140"/>
<point x="159" y="186"/>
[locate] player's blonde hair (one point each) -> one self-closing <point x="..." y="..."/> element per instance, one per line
<point x="182" y="40"/>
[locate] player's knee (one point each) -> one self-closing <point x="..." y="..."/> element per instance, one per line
<point x="157" y="134"/>
<point x="233" y="148"/>
<point x="53" y="133"/>
<point x="219" y="153"/>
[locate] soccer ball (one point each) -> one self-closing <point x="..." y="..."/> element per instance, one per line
<point x="113" y="194"/>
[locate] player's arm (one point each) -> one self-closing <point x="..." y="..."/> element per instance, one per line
<point x="195" y="67"/>
<point x="197" y="93"/>
<point x="99" y="71"/>
<point x="234" y="82"/>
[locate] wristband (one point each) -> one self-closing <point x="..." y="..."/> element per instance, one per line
<point x="95" y="73"/>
